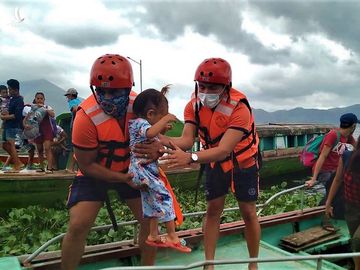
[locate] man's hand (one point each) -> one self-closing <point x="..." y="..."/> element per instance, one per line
<point x="175" y="157"/>
<point x="149" y="151"/>
<point x="329" y="210"/>
<point x="310" y="182"/>
<point x="127" y="178"/>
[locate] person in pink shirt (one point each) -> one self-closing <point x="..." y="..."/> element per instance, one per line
<point x="332" y="148"/>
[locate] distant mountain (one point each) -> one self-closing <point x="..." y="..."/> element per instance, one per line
<point x="54" y="95"/>
<point x="301" y="115"/>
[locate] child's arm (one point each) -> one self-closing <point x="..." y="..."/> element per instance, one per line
<point x="155" y="129"/>
<point x="25" y="125"/>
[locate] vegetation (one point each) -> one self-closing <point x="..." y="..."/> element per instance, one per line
<point x="26" y="229"/>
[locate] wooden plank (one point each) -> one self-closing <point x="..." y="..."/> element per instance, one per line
<point x="314" y="243"/>
<point x="307" y="236"/>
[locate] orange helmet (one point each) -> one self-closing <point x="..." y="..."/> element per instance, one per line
<point x="214" y="70"/>
<point x="111" y="71"/>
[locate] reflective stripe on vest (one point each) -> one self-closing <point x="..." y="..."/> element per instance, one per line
<point x="114" y="151"/>
<point x="213" y="125"/>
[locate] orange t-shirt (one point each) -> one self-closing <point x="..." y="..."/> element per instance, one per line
<point x="84" y="133"/>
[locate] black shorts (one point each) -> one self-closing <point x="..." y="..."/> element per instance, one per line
<point x="87" y="189"/>
<point x="246" y="183"/>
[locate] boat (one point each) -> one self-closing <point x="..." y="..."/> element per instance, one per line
<point x="291" y="240"/>
<point x="280" y="145"/>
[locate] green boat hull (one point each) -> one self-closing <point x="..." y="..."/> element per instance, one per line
<point x="231" y="246"/>
<point x="19" y="192"/>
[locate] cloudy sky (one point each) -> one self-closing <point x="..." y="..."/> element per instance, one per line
<point x="284" y="54"/>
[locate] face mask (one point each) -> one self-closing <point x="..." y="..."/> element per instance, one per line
<point x="115" y="106"/>
<point x="209" y="100"/>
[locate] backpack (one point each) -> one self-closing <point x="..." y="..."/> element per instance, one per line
<point x="35" y="116"/>
<point x="311" y="151"/>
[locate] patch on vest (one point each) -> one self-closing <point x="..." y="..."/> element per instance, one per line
<point x="220" y="121"/>
<point x="251" y="191"/>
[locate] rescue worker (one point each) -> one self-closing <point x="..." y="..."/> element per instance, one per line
<point x="101" y="147"/>
<point x="223" y="118"/>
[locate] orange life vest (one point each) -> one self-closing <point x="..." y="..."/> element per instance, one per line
<point x="177" y="209"/>
<point x="114" y="151"/>
<point x="213" y="124"/>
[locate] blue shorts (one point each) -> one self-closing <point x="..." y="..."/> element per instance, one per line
<point x="87" y="189"/>
<point x="246" y="183"/>
<point x="10" y="133"/>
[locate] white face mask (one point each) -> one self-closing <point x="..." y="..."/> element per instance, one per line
<point x="209" y="100"/>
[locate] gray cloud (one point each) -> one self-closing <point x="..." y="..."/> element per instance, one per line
<point x="338" y="20"/>
<point x="222" y="19"/>
<point x="317" y="70"/>
<point x="79" y="36"/>
<point x="70" y="35"/>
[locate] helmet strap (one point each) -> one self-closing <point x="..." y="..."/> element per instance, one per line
<point x="197" y="116"/>
<point x="94" y="93"/>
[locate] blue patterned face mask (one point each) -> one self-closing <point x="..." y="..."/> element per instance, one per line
<point x="115" y="106"/>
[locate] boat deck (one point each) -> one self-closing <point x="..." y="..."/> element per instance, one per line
<point x="233" y="247"/>
<point x="229" y="248"/>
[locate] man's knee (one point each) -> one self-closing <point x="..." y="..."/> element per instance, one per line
<point x="214" y="212"/>
<point x="79" y="228"/>
<point x="248" y="212"/>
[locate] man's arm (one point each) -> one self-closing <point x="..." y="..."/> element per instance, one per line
<point x="7" y="117"/>
<point x="227" y="144"/>
<point x="86" y="160"/>
<point x="185" y="142"/>
<point x="318" y="165"/>
<point x="334" y="188"/>
<point x="63" y="137"/>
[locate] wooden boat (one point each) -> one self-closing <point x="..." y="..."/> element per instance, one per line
<point x="279" y="145"/>
<point x="291" y="240"/>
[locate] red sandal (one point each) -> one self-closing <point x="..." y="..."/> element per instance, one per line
<point x="179" y="247"/>
<point x="161" y="242"/>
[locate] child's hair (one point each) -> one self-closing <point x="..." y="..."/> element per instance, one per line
<point x="40" y="93"/>
<point x="3" y="87"/>
<point x="150" y="99"/>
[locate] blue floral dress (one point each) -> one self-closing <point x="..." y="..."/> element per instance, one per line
<point x="156" y="201"/>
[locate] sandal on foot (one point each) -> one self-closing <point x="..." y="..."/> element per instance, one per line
<point x="179" y="247"/>
<point x="327" y="225"/>
<point x="161" y="242"/>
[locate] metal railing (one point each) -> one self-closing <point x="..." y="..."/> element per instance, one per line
<point x="319" y="260"/>
<point x="135" y="222"/>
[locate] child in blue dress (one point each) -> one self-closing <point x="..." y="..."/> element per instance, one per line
<point x="151" y="108"/>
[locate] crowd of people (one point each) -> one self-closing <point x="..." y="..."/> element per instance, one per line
<point x="27" y="127"/>
<point x="118" y="138"/>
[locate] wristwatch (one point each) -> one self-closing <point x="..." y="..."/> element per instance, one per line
<point x="194" y="157"/>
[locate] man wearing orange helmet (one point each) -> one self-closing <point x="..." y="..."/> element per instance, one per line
<point x="222" y="116"/>
<point x="101" y="146"/>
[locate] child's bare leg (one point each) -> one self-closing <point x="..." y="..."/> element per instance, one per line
<point x="171" y="235"/>
<point x="154" y="233"/>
